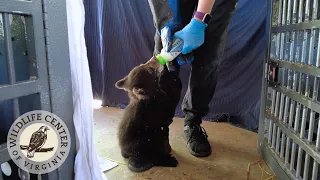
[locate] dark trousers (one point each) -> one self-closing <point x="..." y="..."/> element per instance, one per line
<point x="205" y="68"/>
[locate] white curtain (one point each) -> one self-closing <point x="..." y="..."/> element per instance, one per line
<point x="86" y="162"/>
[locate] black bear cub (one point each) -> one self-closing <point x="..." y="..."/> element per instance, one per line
<point x="154" y="93"/>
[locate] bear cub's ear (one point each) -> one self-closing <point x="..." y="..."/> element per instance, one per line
<point x="122" y="83"/>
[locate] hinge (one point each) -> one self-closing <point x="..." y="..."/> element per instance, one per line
<point x="44" y="12"/>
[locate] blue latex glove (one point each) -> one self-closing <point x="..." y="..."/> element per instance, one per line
<point x="192" y="35"/>
<point x="166" y="34"/>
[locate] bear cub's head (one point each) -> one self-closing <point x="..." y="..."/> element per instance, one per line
<point x="142" y="81"/>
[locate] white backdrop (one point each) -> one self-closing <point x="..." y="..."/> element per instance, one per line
<point x="86" y="162"/>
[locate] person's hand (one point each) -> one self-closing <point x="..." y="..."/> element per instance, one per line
<point x="167" y="39"/>
<point x="166" y="33"/>
<point x="192" y="35"/>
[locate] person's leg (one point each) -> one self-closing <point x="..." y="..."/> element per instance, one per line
<point x="186" y="10"/>
<point x="204" y="76"/>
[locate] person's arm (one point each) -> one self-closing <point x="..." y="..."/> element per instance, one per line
<point x="205" y="6"/>
<point x="193" y="34"/>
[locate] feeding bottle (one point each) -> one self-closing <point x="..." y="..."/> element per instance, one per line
<point x="165" y="57"/>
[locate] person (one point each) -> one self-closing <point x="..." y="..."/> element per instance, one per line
<point x="202" y="25"/>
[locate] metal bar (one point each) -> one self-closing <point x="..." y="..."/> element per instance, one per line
<point x="308" y="102"/>
<point x="275" y="163"/>
<point x="281" y="106"/>
<point x="4" y="154"/>
<point x="278" y="140"/>
<point x="275" y="139"/>
<point x="315" y="89"/>
<point x="318" y="138"/>
<point x="284" y="12"/>
<point x="289" y="12"/>
<point x="286" y="160"/>
<point x="296" y="27"/>
<point x="311" y="126"/>
<point x="280" y="13"/>
<point x="315" y="9"/>
<point x="277" y="104"/>
<point x="291" y="113"/>
<point x="297" y="118"/>
<point x="20" y="89"/>
<point x="283" y="35"/>
<point x="307" y="11"/>
<point x="304" y="121"/>
<point x="283" y="118"/>
<point x="38" y="29"/>
<point x="272" y="110"/>
<point x="287" y="55"/>
<point x="293" y="157"/>
<point x="292" y="43"/>
<point x="300" y="11"/>
<point x="300" y="84"/>
<point x="307" y="86"/>
<point x="296" y="124"/>
<point x="310" y="149"/>
<point x="315" y="171"/>
<point x="306" y="167"/>
<point x="278" y="45"/>
<point x="282" y="49"/>
<point x="8" y="47"/>
<point x="306" y="69"/>
<point x="10" y="60"/>
<point x="294" y="85"/>
<point x="273" y="101"/>
<point x="17" y="7"/>
<point x="279" y="34"/>
<point x="274" y="131"/>
<point x="298" y="169"/>
<point x="31" y="47"/>
<point x="283" y="140"/>
<point x="286" y="107"/>
<point x="294" y="12"/>
<point x="270" y="132"/>
<point x="318" y="52"/>
<point x="303" y="127"/>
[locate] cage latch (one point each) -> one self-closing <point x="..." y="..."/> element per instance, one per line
<point x="273" y="71"/>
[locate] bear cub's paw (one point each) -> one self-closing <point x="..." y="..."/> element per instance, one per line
<point x="125" y="155"/>
<point x="139" y="164"/>
<point x="166" y="161"/>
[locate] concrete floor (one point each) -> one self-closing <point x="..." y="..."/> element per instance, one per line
<point x="233" y="150"/>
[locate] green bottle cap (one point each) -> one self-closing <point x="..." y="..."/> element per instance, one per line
<point x="161" y="60"/>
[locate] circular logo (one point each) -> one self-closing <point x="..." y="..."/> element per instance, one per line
<point x="38" y="142"/>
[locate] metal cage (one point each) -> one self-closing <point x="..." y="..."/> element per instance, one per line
<point x="45" y="59"/>
<point x="289" y="131"/>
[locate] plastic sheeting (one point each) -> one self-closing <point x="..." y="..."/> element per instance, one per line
<point x="86" y="162"/>
<point x="119" y="36"/>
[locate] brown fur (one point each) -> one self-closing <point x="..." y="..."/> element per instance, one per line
<point x="154" y="94"/>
